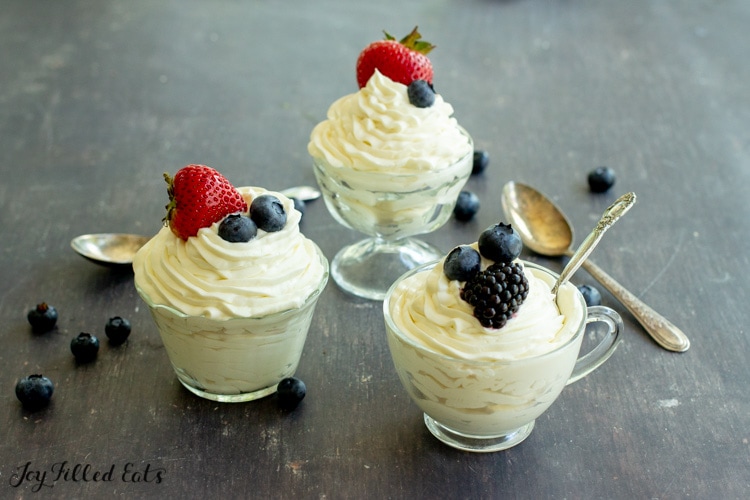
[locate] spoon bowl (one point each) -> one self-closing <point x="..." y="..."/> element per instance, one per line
<point x="113" y="249"/>
<point x="542" y="226"/>
<point x="544" y="229"/>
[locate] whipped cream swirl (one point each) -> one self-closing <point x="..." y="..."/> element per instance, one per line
<point x="428" y="309"/>
<point x="377" y="129"/>
<point x="207" y="276"/>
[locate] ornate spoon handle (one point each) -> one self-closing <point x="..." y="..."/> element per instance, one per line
<point x="661" y="330"/>
<point x="610" y="216"/>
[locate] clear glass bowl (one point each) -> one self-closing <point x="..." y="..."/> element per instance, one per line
<point x="390" y="208"/>
<point x="239" y="359"/>
<point x="487" y="406"/>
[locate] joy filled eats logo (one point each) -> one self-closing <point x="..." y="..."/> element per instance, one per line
<point x="64" y="472"/>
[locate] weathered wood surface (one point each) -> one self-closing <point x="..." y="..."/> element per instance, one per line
<point x="98" y="98"/>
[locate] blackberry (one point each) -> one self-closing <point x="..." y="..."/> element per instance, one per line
<point x="601" y="179"/>
<point x="496" y="293"/>
<point x="481" y="160"/>
<point x="462" y="263"/>
<point x="84" y="347"/>
<point x="290" y="391"/>
<point x="117" y="330"/>
<point x="237" y="228"/>
<point x="500" y="243"/>
<point x="467" y="206"/>
<point x="42" y="318"/>
<point x="268" y="213"/>
<point x="34" y="391"/>
<point x="421" y="94"/>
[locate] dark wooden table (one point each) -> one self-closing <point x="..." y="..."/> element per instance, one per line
<point x="98" y="98"/>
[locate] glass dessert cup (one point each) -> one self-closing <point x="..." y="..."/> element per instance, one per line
<point x="238" y="359"/>
<point x="390" y="208"/>
<point x="485" y="406"/>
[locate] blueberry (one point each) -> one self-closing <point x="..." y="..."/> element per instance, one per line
<point x="290" y="391"/>
<point x="34" y="391"/>
<point x="84" y="347"/>
<point x="237" y="228"/>
<point x="421" y="94"/>
<point x="268" y="213"/>
<point x="467" y="206"/>
<point x="42" y="318"/>
<point x="591" y="295"/>
<point x="117" y="330"/>
<point x="601" y="179"/>
<point x="299" y="206"/>
<point x="500" y="243"/>
<point x="462" y="263"/>
<point x="481" y="160"/>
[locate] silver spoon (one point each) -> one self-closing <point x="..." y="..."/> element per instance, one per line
<point x="545" y="230"/>
<point x="610" y="216"/>
<point x="115" y="249"/>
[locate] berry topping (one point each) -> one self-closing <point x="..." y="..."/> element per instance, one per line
<point x="198" y="197"/>
<point x="402" y="61"/>
<point x="84" y="347"/>
<point x="237" y="228"/>
<point x="496" y="293"/>
<point x="467" y="206"/>
<point x="34" y="391"/>
<point x="601" y="179"/>
<point x="500" y="243"/>
<point x="42" y="318"/>
<point x="291" y="391"/>
<point x="421" y="94"/>
<point x="268" y="213"/>
<point x="481" y="160"/>
<point x="117" y="330"/>
<point x="591" y="295"/>
<point x="462" y="263"/>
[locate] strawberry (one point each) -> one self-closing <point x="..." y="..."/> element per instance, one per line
<point x="402" y="61"/>
<point x="198" y="197"/>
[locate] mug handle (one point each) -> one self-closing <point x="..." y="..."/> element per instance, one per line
<point x="606" y="346"/>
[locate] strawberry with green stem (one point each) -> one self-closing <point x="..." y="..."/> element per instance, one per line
<point x="402" y="61"/>
<point x="199" y="196"/>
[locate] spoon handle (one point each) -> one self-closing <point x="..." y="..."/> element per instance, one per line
<point x="610" y="216"/>
<point x="661" y="330"/>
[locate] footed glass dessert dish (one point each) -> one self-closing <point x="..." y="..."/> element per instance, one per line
<point x="390" y="208"/>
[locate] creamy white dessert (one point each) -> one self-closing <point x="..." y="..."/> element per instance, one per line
<point x="388" y="167"/>
<point x="475" y="380"/>
<point x="377" y="129"/>
<point x="233" y="316"/>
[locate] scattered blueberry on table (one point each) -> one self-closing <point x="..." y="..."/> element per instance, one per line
<point x="601" y="179"/>
<point x="42" y="318"/>
<point x="299" y="205"/>
<point x="290" y="392"/>
<point x="467" y="206"/>
<point x="591" y="295"/>
<point x="34" y="392"/>
<point x="84" y="347"/>
<point x="117" y="330"/>
<point x="481" y="161"/>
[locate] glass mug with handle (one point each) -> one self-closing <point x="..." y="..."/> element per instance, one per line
<point x="491" y="405"/>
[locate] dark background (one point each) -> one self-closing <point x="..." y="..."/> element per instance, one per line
<point x="98" y="98"/>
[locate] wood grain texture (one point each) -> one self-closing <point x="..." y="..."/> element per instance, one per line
<point x="98" y="98"/>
